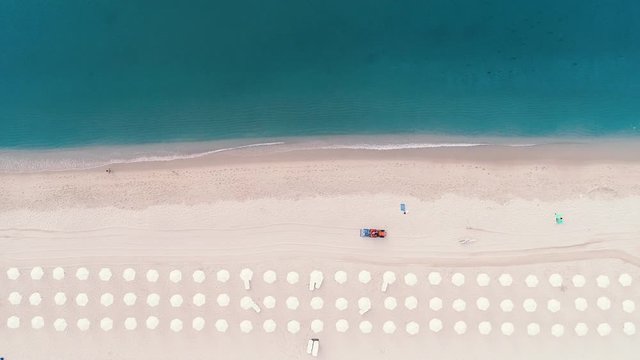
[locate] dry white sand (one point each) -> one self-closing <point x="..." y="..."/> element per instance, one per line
<point x="145" y="263"/>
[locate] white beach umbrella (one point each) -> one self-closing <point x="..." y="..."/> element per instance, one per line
<point x="152" y="275"/>
<point x="293" y="277"/>
<point x="199" y="299"/>
<point x="342" y="325"/>
<point x="365" y="327"/>
<point x="246" y="275"/>
<point x="82" y="274"/>
<point x="35" y="299"/>
<point x="434" y="278"/>
<point x="411" y="302"/>
<point x="505" y="280"/>
<point x="507" y="328"/>
<point x="435" y="304"/>
<point x="60" y="325"/>
<point x="341" y="304"/>
<point x="628" y="306"/>
<point x="506" y="305"/>
<point x="292" y="303"/>
<point x="130" y="323"/>
<point x="578" y="280"/>
<point x="13" y="322"/>
<point x="389" y="327"/>
<point x="531" y="281"/>
<point x="555" y="280"/>
<point x="13" y="273"/>
<point x="198" y="277"/>
<point x="553" y="305"/>
<point x="223" y="300"/>
<point x="82" y="299"/>
<point x="459" y="305"/>
<point x="364" y="304"/>
<point x="129" y="274"/>
<point x="176" y="300"/>
<point x="435" y="325"/>
<point x="37" y="322"/>
<point x="223" y="275"/>
<point x="625" y="279"/>
<point x="483" y="279"/>
<point x="222" y="325"/>
<point x="316" y="277"/>
<point x="176" y="325"/>
<point x="129" y="299"/>
<point x="153" y="300"/>
<point x="317" y="303"/>
<point x="105" y="274"/>
<point x="198" y="324"/>
<point x="317" y="326"/>
<point x="603" y="281"/>
<point x="484" y="327"/>
<point x="457" y="279"/>
<point x="482" y="303"/>
<point x="269" y="276"/>
<point x="340" y="277"/>
<point x="58" y="273"/>
<point x="388" y="278"/>
<point x="581" y="329"/>
<point x="83" y="324"/>
<point x="246" y="303"/>
<point x="390" y="303"/>
<point x="460" y="327"/>
<point x="629" y="328"/>
<point x="529" y="305"/>
<point x="175" y="276"/>
<point x="269" y="302"/>
<point x="15" y="298"/>
<point x="60" y="298"/>
<point x="581" y="304"/>
<point x="533" y="329"/>
<point x="604" y="329"/>
<point x="410" y="279"/>
<point x="246" y="326"/>
<point x="37" y="273"/>
<point x="293" y="327"/>
<point x="412" y="328"/>
<point x="106" y="324"/>
<point x="152" y="322"/>
<point x="557" y="330"/>
<point x="364" y="276"/>
<point x="106" y="299"/>
<point x="604" y="303"/>
<point x="269" y="326"/>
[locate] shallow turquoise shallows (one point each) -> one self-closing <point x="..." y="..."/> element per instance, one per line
<point x="79" y="72"/>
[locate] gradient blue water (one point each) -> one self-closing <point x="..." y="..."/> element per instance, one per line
<point x="81" y="72"/>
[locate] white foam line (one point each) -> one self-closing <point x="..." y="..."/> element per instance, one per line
<point x="386" y="147"/>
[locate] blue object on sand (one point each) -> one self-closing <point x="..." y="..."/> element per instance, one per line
<point x="559" y="219"/>
<point x="403" y="208"/>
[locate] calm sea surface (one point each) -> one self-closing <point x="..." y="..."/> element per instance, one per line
<point x="88" y="72"/>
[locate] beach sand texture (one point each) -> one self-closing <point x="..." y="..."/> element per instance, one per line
<point x="481" y="269"/>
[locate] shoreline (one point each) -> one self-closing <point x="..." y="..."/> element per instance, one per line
<point x="415" y="146"/>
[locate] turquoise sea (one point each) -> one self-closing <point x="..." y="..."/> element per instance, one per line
<point x="99" y="72"/>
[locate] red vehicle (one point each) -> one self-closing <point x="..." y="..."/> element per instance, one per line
<point x="373" y="233"/>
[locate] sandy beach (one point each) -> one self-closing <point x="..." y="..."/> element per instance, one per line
<point x="473" y="214"/>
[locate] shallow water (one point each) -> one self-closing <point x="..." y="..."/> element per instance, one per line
<point x="129" y="72"/>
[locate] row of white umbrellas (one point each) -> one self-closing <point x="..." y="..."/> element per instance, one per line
<point x="389" y="327"/>
<point x="341" y="277"/>
<point x="317" y="303"/>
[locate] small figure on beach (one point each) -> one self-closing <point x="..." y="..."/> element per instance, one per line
<point x="403" y="208"/>
<point x="559" y="219"/>
<point x="108" y="170"/>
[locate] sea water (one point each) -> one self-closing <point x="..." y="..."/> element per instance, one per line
<point x="108" y="72"/>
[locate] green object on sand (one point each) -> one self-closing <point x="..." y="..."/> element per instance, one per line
<point x="559" y="219"/>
